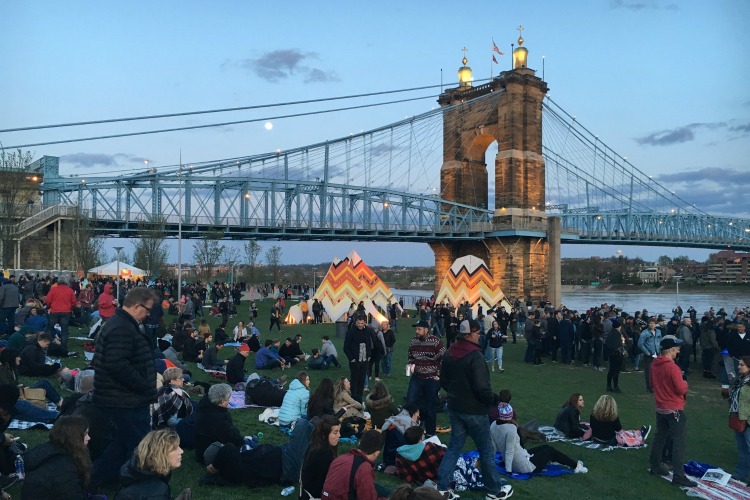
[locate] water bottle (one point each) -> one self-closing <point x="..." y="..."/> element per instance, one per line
<point x="20" y="469"/>
<point x="728" y="365"/>
<point x="287" y="491"/>
<point x="260" y="436"/>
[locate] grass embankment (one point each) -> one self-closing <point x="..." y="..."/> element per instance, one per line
<point x="538" y="392"/>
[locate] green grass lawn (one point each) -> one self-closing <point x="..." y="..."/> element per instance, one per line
<point x="538" y="392"/>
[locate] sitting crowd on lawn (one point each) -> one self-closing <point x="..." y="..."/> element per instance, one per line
<point x="133" y="410"/>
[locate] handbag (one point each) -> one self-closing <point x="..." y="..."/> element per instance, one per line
<point x="37" y="397"/>
<point x="736" y="424"/>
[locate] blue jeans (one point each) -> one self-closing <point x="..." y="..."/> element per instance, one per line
<point x="131" y="425"/>
<point x="8" y="315"/>
<point x="567" y="352"/>
<point x="386" y="364"/>
<point x="330" y="359"/>
<point x="742" y="471"/>
<point x="29" y="412"/>
<point x="293" y="452"/>
<point x="52" y="395"/>
<point x="424" y="393"/>
<point x="494" y="353"/>
<point x="478" y="429"/>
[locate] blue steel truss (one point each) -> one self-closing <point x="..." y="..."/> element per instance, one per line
<point x="355" y="188"/>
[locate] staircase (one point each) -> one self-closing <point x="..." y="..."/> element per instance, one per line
<point x="44" y="218"/>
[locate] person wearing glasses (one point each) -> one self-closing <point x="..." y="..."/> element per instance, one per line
<point x="125" y="382"/>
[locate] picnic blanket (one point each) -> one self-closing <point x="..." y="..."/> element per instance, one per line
<point x="214" y="373"/>
<point x="552" y="435"/>
<point x="237" y="401"/>
<point x="23" y="425"/>
<point x="709" y="490"/>
<point x="551" y="470"/>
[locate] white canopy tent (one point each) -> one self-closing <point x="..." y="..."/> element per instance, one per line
<point x="111" y="270"/>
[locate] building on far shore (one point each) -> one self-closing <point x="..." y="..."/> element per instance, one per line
<point x="729" y="266"/>
<point x="655" y="274"/>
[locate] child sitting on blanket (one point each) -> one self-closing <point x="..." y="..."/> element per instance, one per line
<point x="417" y="461"/>
<point x="607" y="429"/>
<point x="519" y="460"/>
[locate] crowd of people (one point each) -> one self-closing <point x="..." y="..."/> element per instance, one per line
<point x="134" y="409"/>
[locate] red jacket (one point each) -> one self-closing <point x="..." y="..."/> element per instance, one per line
<point x="336" y="486"/>
<point x="107" y="303"/>
<point x="670" y="390"/>
<point x="61" y="299"/>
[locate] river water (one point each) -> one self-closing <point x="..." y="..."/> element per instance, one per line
<point x="656" y="303"/>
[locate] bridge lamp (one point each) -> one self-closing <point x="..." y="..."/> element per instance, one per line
<point x="247" y="196"/>
<point x="599" y="217"/>
<point x="386" y="204"/>
<point x="747" y="230"/>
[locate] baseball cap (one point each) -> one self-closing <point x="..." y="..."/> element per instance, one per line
<point x="421" y="324"/>
<point x="464" y="327"/>
<point x="670" y="341"/>
<point x="244" y="348"/>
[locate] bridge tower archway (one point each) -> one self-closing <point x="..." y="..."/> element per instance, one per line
<point x="507" y="110"/>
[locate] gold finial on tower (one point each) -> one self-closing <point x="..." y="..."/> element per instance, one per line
<point x="520" y="53"/>
<point x="520" y="37"/>
<point x="464" y="72"/>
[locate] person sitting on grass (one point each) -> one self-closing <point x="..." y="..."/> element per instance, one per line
<point x="353" y="471"/>
<point x="321" y="401"/>
<point x="147" y="473"/>
<point x="316" y="361"/>
<point x="262" y="465"/>
<point x="214" y="423"/>
<point x="568" y="420"/>
<point x="236" y="366"/>
<point x="380" y="404"/>
<point x="34" y="359"/>
<point x="607" y="429"/>
<point x="211" y="359"/>
<point x="25" y="410"/>
<point x="393" y="430"/>
<point x="323" y="449"/>
<point x="418" y="461"/>
<point x="61" y="467"/>
<point x="342" y="397"/>
<point x="290" y="352"/>
<point x="295" y="400"/>
<point x="517" y="459"/>
<point x="267" y="359"/>
<point x="172" y="402"/>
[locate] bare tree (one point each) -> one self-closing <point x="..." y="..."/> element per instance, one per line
<point x="79" y="240"/>
<point x="18" y="187"/>
<point x="273" y="259"/>
<point x="231" y="258"/>
<point x="252" y="254"/>
<point x="149" y="250"/>
<point x="207" y="253"/>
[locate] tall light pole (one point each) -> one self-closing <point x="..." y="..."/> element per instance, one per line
<point x="179" y="234"/>
<point x="117" y="249"/>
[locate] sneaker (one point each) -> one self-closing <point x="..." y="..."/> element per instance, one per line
<point x="72" y="354"/>
<point x="506" y="491"/>
<point x="661" y="470"/>
<point x="580" y="469"/>
<point x="683" y="481"/>
<point x="645" y="431"/>
<point x="449" y="494"/>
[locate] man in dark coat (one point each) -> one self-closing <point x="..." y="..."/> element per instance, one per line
<point x="125" y="382"/>
<point x="214" y="423"/>
<point x="358" y="350"/>
<point x="466" y="379"/>
<point x="236" y="365"/>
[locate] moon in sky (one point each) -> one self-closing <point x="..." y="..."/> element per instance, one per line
<point x="268" y="125"/>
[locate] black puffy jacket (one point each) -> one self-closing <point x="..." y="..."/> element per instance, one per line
<point x="214" y="423"/>
<point x="124" y="364"/>
<point x="141" y="484"/>
<point x="466" y="379"/>
<point x="51" y="472"/>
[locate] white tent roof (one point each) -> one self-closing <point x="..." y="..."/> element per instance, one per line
<point x="111" y="269"/>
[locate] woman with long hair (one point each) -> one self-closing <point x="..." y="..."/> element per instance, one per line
<point x="321" y="401"/>
<point x="380" y="404"/>
<point x="606" y="427"/>
<point x="342" y="398"/>
<point x="568" y="420"/>
<point x="61" y="467"/>
<point x="147" y="473"/>
<point x="324" y="444"/>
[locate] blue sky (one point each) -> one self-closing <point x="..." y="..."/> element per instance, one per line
<point x="661" y="82"/>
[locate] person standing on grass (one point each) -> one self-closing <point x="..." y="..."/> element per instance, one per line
<point x="466" y="379"/>
<point x="648" y="343"/>
<point x="125" y="383"/>
<point x="358" y="345"/>
<point x="670" y="394"/>
<point x="426" y="354"/>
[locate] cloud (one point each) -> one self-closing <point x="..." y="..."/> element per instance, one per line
<point x="741" y="128"/>
<point x="715" y="190"/>
<point x="679" y="135"/>
<point x="643" y="5"/>
<point x="91" y="160"/>
<point x="284" y="64"/>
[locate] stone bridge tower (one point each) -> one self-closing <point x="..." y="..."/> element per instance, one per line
<point x="522" y="250"/>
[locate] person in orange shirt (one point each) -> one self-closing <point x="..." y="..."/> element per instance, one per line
<point x="305" y="310"/>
